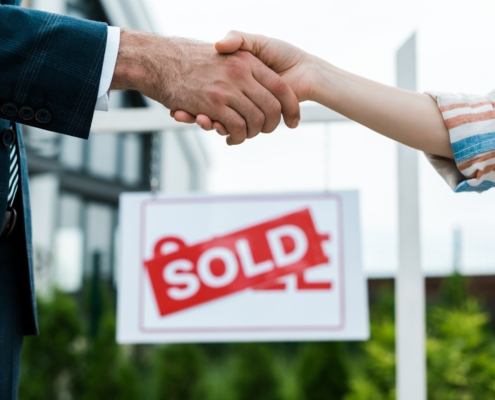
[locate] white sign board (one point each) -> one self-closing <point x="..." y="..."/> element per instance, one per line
<point x="241" y="268"/>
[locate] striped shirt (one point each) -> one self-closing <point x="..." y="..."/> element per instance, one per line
<point x="470" y="121"/>
<point x="14" y="174"/>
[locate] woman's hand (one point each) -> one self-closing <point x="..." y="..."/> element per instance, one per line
<point x="407" y="117"/>
<point x="291" y="63"/>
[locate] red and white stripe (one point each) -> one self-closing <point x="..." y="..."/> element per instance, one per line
<point x="467" y="116"/>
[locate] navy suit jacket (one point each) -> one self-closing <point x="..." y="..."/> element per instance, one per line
<point x="50" y="70"/>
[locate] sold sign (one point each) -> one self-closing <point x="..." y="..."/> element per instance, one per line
<point x="185" y="276"/>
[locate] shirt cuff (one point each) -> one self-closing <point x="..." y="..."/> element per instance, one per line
<point x="470" y="121"/>
<point x="111" y="51"/>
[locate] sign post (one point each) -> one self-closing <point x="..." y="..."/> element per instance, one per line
<point x="241" y="268"/>
<point x="409" y="282"/>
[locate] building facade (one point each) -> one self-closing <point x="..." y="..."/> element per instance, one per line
<point x="75" y="184"/>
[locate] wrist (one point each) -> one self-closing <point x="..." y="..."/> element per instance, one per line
<point x="133" y="68"/>
<point x="326" y="82"/>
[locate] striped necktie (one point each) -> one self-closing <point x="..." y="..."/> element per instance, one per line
<point x="14" y="174"/>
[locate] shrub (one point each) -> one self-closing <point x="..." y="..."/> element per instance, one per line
<point x="461" y="351"/>
<point x="52" y="363"/>
<point x="178" y="372"/>
<point x="254" y="376"/>
<point x="108" y="374"/>
<point x="374" y="379"/>
<point x="322" y="371"/>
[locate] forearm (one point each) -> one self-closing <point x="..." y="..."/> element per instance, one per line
<point x="149" y="64"/>
<point x="407" y="117"/>
<point x="51" y="63"/>
<point x="134" y="67"/>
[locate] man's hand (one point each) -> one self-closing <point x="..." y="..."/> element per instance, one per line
<point x="237" y="90"/>
<point x="291" y="63"/>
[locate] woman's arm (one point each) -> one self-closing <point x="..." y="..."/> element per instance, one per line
<point x="407" y="117"/>
<point x="456" y="131"/>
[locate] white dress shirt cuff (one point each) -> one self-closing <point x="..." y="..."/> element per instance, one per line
<point x="109" y="61"/>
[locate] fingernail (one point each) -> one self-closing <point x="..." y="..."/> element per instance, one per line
<point x="201" y="126"/>
<point x="295" y="123"/>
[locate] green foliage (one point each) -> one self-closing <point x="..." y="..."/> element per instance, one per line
<point x="108" y="374"/>
<point x="322" y="371"/>
<point x="375" y="380"/>
<point x="254" y="373"/>
<point x="178" y="372"/>
<point x="454" y="291"/>
<point x="460" y="352"/>
<point x="52" y="364"/>
<point x="70" y="361"/>
<point x="62" y="363"/>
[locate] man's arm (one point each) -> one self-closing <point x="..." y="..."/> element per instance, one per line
<point x="50" y="69"/>
<point x="236" y="89"/>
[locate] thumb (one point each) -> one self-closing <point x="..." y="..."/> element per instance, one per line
<point x="237" y="41"/>
<point x="231" y="43"/>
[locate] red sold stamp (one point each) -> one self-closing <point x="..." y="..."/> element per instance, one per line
<point x="184" y="276"/>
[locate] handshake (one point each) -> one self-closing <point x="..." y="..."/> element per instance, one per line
<point x="240" y="87"/>
<point x="243" y="84"/>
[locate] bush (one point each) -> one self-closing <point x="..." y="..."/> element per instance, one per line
<point x="63" y="363"/>
<point x="178" y="373"/>
<point x="322" y="371"/>
<point x="254" y="376"/>
<point x="52" y="363"/>
<point x="461" y="351"/>
<point x="108" y="374"/>
<point x="375" y="378"/>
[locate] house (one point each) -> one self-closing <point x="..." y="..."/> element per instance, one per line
<point x="75" y="184"/>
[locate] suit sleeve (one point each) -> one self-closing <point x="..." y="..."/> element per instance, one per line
<point x="50" y="69"/>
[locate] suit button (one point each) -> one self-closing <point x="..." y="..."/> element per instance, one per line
<point x="26" y="113"/>
<point x="8" y="137"/>
<point x="43" y="116"/>
<point x="9" y="109"/>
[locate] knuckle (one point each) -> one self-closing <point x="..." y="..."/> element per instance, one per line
<point x="239" y="126"/>
<point x="243" y="54"/>
<point x="277" y="108"/>
<point x="214" y="98"/>
<point x="270" y="128"/>
<point x="236" y="70"/>
<point x="279" y="87"/>
<point x="274" y="109"/>
<point x="259" y="119"/>
<point x="273" y="117"/>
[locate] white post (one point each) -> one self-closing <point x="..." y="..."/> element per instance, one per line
<point x="409" y="282"/>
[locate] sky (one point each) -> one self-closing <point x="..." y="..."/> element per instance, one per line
<point x="456" y="53"/>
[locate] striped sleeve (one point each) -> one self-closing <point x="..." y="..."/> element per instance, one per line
<point x="471" y="123"/>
